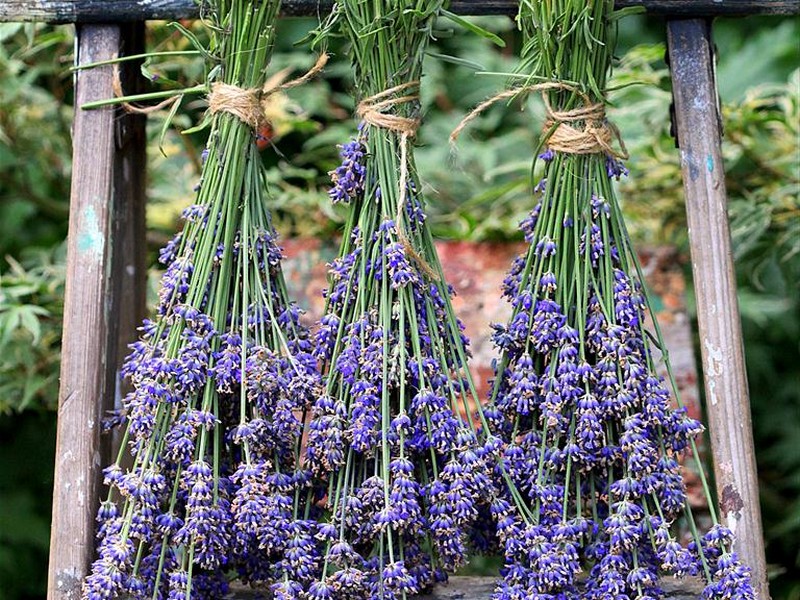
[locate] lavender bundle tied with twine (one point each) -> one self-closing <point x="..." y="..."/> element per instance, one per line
<point x="208" y="483"/>
<point x="593" y="432"/>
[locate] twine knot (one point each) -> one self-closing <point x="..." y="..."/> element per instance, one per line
<point x="247" y="104"/>
<point x="597" y="135"/>
<point x="372" y="111"/>
<point x="244" y="104"/>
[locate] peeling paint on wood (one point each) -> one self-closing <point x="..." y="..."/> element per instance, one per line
<point x="713" y="368"/>
<point x="731" y="501"/>
<point x="68" y="584"/>
<point x="688" y="161"/>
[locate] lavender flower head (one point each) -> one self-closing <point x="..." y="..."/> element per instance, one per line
<point x="348" y="177"/>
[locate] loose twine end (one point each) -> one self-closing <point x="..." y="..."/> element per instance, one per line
<point x="372" y="111"/>
<point x="247" y="104"/>
<point x="244" y="104"/>
<point x="116" y="87"/>
<point x="597" y="135"/>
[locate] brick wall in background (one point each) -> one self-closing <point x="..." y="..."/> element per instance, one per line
<point x="476" y="271"/>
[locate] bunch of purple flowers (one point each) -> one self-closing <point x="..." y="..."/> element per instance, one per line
<point x="593" y="440"/>
<point x="220" y="383"/>
<point x="391" y="437"/>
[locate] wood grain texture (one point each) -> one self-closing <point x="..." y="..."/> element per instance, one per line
<point x="721" y="345"/>
<point x="85" y="352"/>
<point x="481" y="588"/>
<point x="102" y="11"/>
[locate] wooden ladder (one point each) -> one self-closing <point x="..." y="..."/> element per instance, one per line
<point x="104" y="301"/>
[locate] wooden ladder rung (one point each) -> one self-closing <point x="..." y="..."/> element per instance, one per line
<point x="102" y="11"/>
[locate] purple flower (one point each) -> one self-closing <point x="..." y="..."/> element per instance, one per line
<point x="227" y="363"/>
<point x="400" y="269"/>
<point x="547" y="320"/>
<point x="731" y="580"/>
<point x="615" y="168"/>
<point x="348" y="178"/>
<point x="397" y="581"/>
<point x="207" y="525"/>
<point x="178" y="584"/>
<point x="302" y="557"/>
<point x="545" y="247"/>
<point x="287" y="590"/>
<point x="522" y="395"/>
<point x="325" y="451"/>
<point x="325" y="337"/>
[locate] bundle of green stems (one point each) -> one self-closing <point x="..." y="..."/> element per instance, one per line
<point x="221" y="376"/>
<point x="594" y="434"/>
<point x="407" y="479"/>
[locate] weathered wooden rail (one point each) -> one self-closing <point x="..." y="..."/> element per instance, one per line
<point x="727" y="396"/>
<point x="103" y="11"/>
<point x="105" y="284"/>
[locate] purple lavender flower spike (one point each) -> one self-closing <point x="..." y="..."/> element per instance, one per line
<point x="348" y="178"/>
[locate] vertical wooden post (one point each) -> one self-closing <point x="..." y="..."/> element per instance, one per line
<point x="722" y="349"/>
<point x="128" y="229"/>
<point x="106" y="215"/>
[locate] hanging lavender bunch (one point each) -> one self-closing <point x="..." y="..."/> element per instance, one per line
<point x="221" y="377"/>
<point x="391" y="436"/>
<point x="593" y="439"/>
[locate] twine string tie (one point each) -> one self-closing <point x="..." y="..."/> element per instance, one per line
<point x="597" y="135"/>
<point x="373" y="111"/>
<point x="244" y="104"/>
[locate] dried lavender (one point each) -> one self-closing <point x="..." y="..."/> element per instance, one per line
<point x="221" y="379"/>
<point x="593" y="440"/>
<point x="391" y="436"/>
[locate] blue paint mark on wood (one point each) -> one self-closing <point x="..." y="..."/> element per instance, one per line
<point x="710" y="163"/>
<point x="90" y="237"/>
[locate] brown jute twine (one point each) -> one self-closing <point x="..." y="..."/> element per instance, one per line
<point x="116" y="86"/>
<point x="596" y="136"/>
<point x="244" y="104"/>
<point x="372" y="111"/>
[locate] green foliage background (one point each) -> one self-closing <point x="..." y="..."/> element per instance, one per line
<point x="478" y="192"/>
